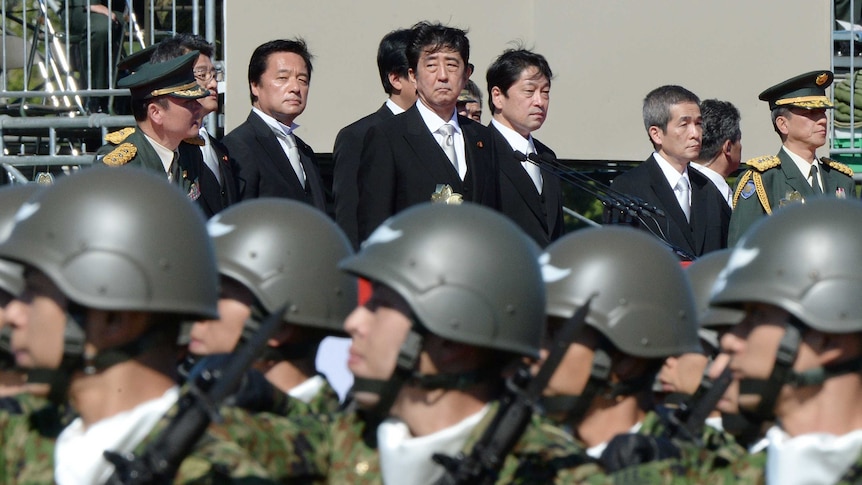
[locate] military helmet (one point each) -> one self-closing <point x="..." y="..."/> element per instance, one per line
<point x="642" y="301"/>
<point x="702" y="274"/>
<point x="119" y="239"/>
<point x="806" y="259"/>
<point x="11" y="198"/>
<point x="469" y="274"/>
<point x="284" y="251"/>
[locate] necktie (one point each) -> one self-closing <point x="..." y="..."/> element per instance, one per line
<point x="448" y="143"/>
<point x="293" y="156"/>
<point x="535" y="174"/>
<point x="209" y="156"/>
<point x="174" y="169"/>
<point x="815" y="181"/>
<point x="682" y="191"/>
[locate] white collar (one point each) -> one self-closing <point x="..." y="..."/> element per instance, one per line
<point x="434" y="122"/>
<point x="516" y="141"/>
<point x="596" y="451"/>
<point x="166" y="155"/>
<point x="78" y="453"/>
<point x="274" y="124"/>
<point x="405" y="459"/>
<point x="306" y="390"/>
<point x="801" y="164"/>
<point x="670" y="173"/>
<point x="810" y="458"/>
<point x="393" y="107"/>
<point x="717" y="180"/>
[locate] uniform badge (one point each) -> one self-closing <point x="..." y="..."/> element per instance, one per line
<point x="194" y="191"/>
<point x="821" y="79"/>
<point x="748" y="190"/>
<point x="839" y="193"/>
<point x="445" y="195"/>
<point x="791" y="198"/>
<point x="44" y="178"/>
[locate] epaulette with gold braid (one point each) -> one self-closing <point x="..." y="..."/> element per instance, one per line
<point x="846" y="170"/>
<point x="120" y="155"/>
<point x="762" y="164"/>
<point x="195" y="140"/>
<point x="117" y="137"/>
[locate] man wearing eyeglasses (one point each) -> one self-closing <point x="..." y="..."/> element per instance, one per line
<point x="203" y="158"/>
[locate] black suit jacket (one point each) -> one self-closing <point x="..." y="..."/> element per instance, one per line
<point x="264" y="169"/>
<point x="539" y="215"/>
<point x="401" y="165"/>
<point x="214" y="197"/>
<point x="345" y="159"/>
<point x="710" y="216"/>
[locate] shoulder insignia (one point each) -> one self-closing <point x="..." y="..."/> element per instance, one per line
<point x="121" y="155"/>
<point x="762" y="164"/>
<point x="117" y="137"/>
<point x="846" y="170"/>
<point x="748" y="189"/>
<point x="195" y="140"/>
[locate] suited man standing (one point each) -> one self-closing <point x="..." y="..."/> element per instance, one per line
<point x="694" y="220"/>
<point x="519" y="87"/>
<point x="272" y="160"/>
<point x="393" y="68"/>
<point x="428" y="151"/>
<point x="721" y="145"/>
<point x="204" y="158"/>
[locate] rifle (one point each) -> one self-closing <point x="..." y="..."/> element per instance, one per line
<point x="198" y="407"/>
<point x="516" y="408"/>
<point x="687" y="421"/>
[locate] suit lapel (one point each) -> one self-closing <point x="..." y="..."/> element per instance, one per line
<point x="312" y="176"/>
<point x="512" y="169"/>
<point x="551" y="192"/>
<point x="700" y="193"/>
<point x="428" y="151"/>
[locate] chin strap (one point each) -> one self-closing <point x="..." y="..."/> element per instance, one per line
<point x="782" y="374"/>
<point x="285" y="352"/>
<point x="455" y="381"/>
<point x="574" y="406"/>
<point x="73" y="357"/>
<point x="106" y="358"/>
<point x="408" y="358"/>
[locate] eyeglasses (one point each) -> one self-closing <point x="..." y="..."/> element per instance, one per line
<point x="206" y="76"/>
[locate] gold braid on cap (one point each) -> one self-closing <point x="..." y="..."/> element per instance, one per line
<point x="184" y="90"/>
<point x="806" y="102"/>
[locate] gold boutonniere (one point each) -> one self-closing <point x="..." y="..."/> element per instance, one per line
<point x="444" y="195"/>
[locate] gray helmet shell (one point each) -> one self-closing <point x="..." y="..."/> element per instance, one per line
<point x="469" y="274"/>
<point x="11" y="198"/>
<point x="119" y="239"/>
<point x="642" y="301"/>
<point x="806" y="259"/>
<point x="702" y="274"/>
<point x="284" y="251"/>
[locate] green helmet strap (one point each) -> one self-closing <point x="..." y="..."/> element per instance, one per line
<point x="782" y="373"/>
<point x="408" y="358"/>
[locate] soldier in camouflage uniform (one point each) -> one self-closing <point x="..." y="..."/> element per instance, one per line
<point x="799" y="117"/>
<point x="273" y="252"/>
<point x="165" y="106"/>
<point x="93" y="259"/>
<point x="448" y="317"/>
<point x="641" y="311"/>
<point x="798" y="352"/>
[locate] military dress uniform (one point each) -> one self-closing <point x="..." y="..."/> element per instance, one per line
<point x="773" y="181"/>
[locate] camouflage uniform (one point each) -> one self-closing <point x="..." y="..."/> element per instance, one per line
<point x="324" y="402"/>
<point x="340" y="448"/>
<point x="27" y="439"/>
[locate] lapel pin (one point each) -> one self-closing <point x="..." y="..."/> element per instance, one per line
<point x="480" y="144"/>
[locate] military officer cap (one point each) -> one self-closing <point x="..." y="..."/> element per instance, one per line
<point x="806" y="91"/>
<point x="170" y="78"/>
<point x="467" y="97"/>
<point x="135" y="60"/>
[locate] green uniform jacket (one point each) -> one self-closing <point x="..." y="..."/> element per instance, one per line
<point x="780" y="177"/>
<point x="28" y="452"/>
<point x="129" y="148"/>
<point x="340" y="448"/>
